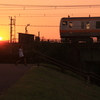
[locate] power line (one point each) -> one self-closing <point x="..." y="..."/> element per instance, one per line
<point x="17" y="7"/>
<point x="42" y="13"/>
<point x="46" y="15"/>
<point x="50" y="6"/>
<point x="24" y="9"/>
<point x="20" y="5"/>
<point x="32" y="25"/>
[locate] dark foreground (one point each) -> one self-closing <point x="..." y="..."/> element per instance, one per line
<point x="10" y="73"/>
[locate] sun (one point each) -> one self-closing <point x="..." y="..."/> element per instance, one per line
<point x="0" y="38"/>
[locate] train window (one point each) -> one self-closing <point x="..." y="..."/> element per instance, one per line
<point x="87" y="25"/>
<point x="98" y="24"/>
<point x="82" y="25"/>
<point x="70" y="24"/>
<point x="64" y="23"/>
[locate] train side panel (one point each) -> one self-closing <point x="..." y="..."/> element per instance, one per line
<point x="82" y="27"/>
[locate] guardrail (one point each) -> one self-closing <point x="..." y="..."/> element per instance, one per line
<point x="87" y="75"/>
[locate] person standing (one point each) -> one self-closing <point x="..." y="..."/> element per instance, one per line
<point x="21" y="56"/>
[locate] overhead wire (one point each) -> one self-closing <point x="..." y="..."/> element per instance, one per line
<point x="20" y="5"/>
<point x="45" y="16"/>
<point x="32" y="25"/>
<point x="12" y="7"/>
<point x="26" y="7"/>
<point x="17" y="7"/>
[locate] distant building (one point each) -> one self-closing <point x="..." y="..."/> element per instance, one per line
<point x="25" y="38"/>
<point x="37" y="38"/>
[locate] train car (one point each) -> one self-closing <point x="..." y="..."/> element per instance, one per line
<point x="75" y="29"/>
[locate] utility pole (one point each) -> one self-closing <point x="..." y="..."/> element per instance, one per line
<point x="12" y="30"/>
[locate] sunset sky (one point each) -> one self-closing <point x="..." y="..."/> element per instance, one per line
<point x="42" y="16"/>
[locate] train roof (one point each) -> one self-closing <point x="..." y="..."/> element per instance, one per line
<point x="81" y="18"/>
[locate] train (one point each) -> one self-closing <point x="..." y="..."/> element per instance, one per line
<point x="77" y="29"/>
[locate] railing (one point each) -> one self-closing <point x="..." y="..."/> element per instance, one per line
<point x="64" y="66"/>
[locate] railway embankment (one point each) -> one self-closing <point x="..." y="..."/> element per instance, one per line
<point x="45" y="83"/>
<point x="83" y="56"/>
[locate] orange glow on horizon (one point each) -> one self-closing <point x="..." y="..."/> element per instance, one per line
<point x="4" y="33"/>
<point x="41" y="16"/>
<point x="0" y="38"/>
<point x="3" y="38"/>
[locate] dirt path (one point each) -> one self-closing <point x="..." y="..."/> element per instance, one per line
<point x="10" y="73"/>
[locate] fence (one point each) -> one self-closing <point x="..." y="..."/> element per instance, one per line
<point x="64" y="66"/>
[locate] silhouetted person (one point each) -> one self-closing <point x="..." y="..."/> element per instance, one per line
<point x="21" y="56"/>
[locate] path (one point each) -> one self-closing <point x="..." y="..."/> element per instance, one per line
<point x="10" y="73"/>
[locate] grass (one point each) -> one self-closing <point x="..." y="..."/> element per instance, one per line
<point x="43" y="83"/>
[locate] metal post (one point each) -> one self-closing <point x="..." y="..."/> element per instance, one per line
<point x="38" y="60"/>
<point x="11" y="29"/>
